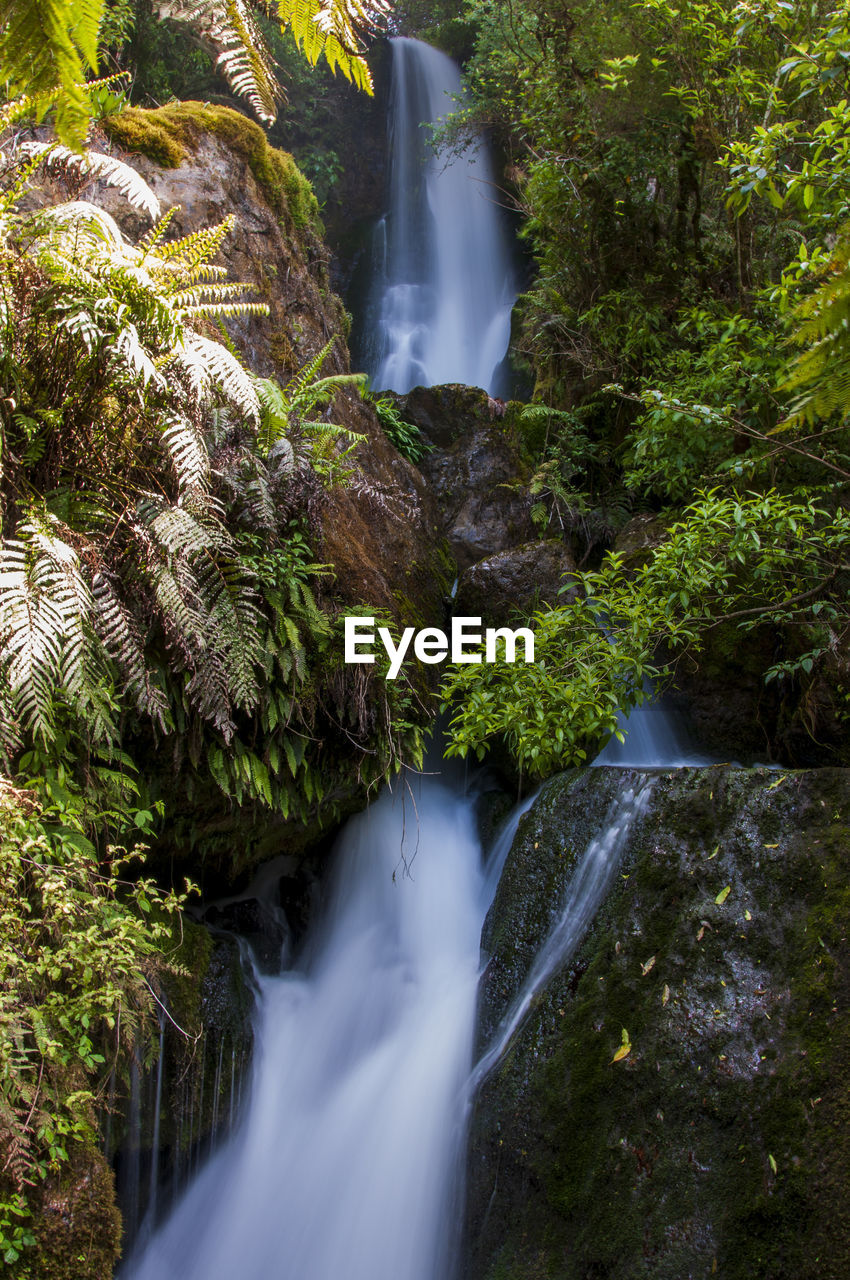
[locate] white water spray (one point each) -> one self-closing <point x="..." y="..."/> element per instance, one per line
<point x="654" y="739"/>
<point x="346" y="1161"/>
<point x="443" y="282"/>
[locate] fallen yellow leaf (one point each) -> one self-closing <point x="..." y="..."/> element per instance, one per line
<point x="723" y="895"/>
<point x="665" y="994"/>
<point x="624" y="1049"/>
<point x="645" y="968"/>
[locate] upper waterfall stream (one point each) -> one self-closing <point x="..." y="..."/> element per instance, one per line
<point x="443" y="281"/>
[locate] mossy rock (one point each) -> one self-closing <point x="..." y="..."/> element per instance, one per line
<point x="164" y="134"/>
<point x="719" y="1145"/>
<point x="76" y="1223"/>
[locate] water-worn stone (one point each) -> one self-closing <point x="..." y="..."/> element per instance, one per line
<point x="515" y="582"/>
<point x="719" y="1144"/>
<point x="474" y="470"/>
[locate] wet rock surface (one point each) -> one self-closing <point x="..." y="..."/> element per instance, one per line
<point x="719" y="1143"/>
<point x="473" y="470"/>
<point x="516" y="581"/>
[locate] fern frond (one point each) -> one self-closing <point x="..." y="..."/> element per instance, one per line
<point x="81" y="222"/>
<point x="335" y="28"/>
<point x="188" y="452"/>
<point x="177" y="531"/>
<point x="224" y="369"/>
<point x="119" y="634"/>
<point x="821" y="373"/>
<point x="306" y="374"/>
<point x="50" y="44"/>
<point x="228" y="310"/>
<point x="243" y="56"/>
<point x="149" y="242"/>
<point x="234" y="624"/>
<point x="45" y="641"/>
<point x="198" y="246"/>
<point x="60" y="161"/>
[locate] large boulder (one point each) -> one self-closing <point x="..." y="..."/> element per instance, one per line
<point x="674" y="1104"/>
<point x="516" y="582"/>
<point x="473" y="469"/>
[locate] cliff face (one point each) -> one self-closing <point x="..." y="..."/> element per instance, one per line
<point x="717" y="1144"/>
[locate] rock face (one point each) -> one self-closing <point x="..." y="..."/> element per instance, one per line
<point x="206" y="1046"/>
<point x="473" y="469"/>
<point x="499" y="587"/>
<point x="379" y="532"/>
<point x="719" y="1143"/>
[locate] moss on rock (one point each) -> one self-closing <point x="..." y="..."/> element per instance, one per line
<point x="76" y="1223"/>
<point x="163" y="134"/>
<point x="720" y="1144"/>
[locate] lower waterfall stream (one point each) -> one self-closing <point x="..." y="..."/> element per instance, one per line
<point x="347" y="1160"/>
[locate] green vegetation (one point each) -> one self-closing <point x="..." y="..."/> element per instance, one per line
<point x="169" y="645"/>
<point x="406" y="437"/>
<point x="683" y="175"/>
<point x="82" y="956"/>
<point x="48" y="49"/>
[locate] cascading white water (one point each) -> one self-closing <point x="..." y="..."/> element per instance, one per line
<point x="590" y="881"/>
<point x="345" y="1162"/>
<point x="443" y="283"/>
<point x="654" y="739"/>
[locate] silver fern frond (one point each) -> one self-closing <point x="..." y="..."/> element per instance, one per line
<point x="60" y="161"/>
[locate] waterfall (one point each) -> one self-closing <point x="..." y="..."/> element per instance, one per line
<point x="346" y="1159"/>
<point x="654" y="739"/>
<point x="590" y="881"/>
<point x="443" y="280"/>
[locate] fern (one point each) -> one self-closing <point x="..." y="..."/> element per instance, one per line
<point x="188" y="451"/>
<point x="46" y="47"/>
<point x="59" y="161"/>
<point x="334" y="27"/>
<point x="820" y="374"/>
<point x="243" y="56"/>
<point x="203" y="358"/>
<point x="119" y="633"/>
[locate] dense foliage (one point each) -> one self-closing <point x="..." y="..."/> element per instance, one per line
<point x="160" y="605"/>
<point x="683" y="173"/>
<point x="83" y="952"/>
<point x="48" y="49"/>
